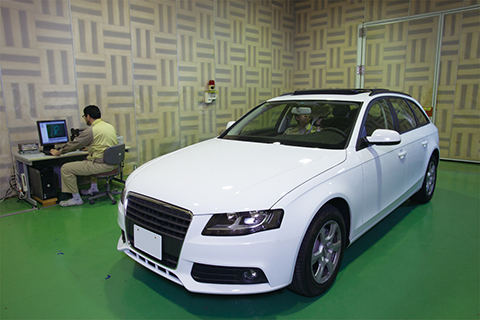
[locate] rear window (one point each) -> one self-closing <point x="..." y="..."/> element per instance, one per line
<point x="421" y="117"/>
<point x="405" y="116"/>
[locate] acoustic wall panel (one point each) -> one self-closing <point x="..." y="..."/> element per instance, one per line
<point x="146" y="19"/>
<point x="465" y="131"/>
<point x="103" y="64"/>
<point x="38" y="81"/>
<point x="326" y="43"/>
<point x="402" y="56"/>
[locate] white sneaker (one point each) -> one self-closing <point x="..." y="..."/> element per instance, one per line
<point x="70" y="202"/>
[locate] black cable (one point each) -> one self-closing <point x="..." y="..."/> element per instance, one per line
<point x="12" y="190"/>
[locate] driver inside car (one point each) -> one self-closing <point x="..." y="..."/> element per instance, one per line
<point x="302" y="115"/>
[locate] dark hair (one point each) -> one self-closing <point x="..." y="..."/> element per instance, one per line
<point x="93" y="111"/>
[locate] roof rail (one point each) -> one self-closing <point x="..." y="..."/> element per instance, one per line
<point x="331" y="91"/>
<point x="378" y="91"/>
<point x="346" y="91"/>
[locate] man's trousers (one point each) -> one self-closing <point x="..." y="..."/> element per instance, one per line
<point x="71" y="170"/>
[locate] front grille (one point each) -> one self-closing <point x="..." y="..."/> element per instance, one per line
<point x="161" y="218"/>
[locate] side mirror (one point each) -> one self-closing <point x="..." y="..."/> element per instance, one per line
<point x="384" y="137"/>
<point x="229" y="124"/>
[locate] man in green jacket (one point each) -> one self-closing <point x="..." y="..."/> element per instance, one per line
<point x="98" y="136"/>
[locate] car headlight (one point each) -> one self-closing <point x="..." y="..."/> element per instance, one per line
<point x="241" y="223"/>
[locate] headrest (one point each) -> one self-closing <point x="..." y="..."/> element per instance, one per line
<point x="301" y="110"/>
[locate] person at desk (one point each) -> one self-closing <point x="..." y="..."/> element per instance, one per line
<point x="98" y="136"/>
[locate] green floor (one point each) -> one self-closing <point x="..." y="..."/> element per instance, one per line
<point x="421" y="262"/>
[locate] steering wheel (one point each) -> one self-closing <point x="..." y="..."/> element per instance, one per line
<point x="336" y="130"/>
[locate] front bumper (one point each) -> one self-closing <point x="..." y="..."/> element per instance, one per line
<point x="261" y="252"/>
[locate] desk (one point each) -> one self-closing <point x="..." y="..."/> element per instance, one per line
<point x="23" y="161"/>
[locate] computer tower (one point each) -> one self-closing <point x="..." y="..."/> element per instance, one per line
<point x="43" y="184"/>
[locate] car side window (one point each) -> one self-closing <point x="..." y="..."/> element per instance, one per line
<point x="378" y="117"/>
<point x="405" y="116"/>
<point x="421" y="117"/>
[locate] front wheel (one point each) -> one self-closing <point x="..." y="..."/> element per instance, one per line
<point x="429" y="181"/>
<point x="320" y="254"/>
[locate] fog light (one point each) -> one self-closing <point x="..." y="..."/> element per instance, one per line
<point x="250" y="275"/>
<point x="227" y="275"/>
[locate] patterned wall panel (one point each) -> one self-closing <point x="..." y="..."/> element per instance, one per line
<point x="103" y="61"/>
<point x="326" y="43"/>
<point x="144" y="23"/>
<point x="427" y="6"/>
<point x="380" y="9"/>
<point x="258" y="52"/>
<point x="401" y="56"/>
<point x="195" y="30"/>
<point x="396" y="55"/>
<point x="230" y="57"/>
<point x="303" y="50"/>
<point x="465" y="134"/>
<point x="167" y="93"/>
<point x="226" y="74"/>
<point x="283" y="31"/>
<point x="36" y="59"/>
<point x="419" y="66"/>
<point x="451" y="34"/>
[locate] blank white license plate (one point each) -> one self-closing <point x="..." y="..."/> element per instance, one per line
<point x="148" y="241"/>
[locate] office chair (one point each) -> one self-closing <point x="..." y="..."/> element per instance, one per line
<point x="112" y="155"/>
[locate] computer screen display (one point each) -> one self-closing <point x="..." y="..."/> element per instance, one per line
<point x="52" y="132"/>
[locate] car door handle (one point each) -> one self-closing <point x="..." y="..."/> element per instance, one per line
<point x="402" y="154"/>
<point x="424" y="143"/>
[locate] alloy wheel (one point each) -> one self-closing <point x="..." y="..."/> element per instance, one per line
<point x="326" y="251"/>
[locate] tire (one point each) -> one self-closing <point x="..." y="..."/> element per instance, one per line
<point x="429" y="181"/>
<point x="320" y="254"/>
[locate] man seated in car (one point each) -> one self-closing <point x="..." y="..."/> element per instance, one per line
<point x="302" y="115"/>
<point x="319" y="114"/>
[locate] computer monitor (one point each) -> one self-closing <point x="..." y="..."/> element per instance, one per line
<point x="52" y="132"/>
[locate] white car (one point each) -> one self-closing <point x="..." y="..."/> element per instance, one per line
<point x="275" y="200"/>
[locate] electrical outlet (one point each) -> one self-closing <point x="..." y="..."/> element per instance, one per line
<point x="24" y="182"/>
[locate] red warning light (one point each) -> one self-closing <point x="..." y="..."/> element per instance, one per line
<point x="211" y="85"/>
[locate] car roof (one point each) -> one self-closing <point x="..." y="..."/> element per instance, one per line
<point x="337" y="94"/>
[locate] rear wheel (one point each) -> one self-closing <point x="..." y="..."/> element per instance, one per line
<point x="320" y="254"/>
<point x="429" y="181"/>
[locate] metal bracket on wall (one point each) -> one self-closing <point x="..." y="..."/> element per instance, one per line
<point x="361" y="70"/>
<point x="362" y="32"/>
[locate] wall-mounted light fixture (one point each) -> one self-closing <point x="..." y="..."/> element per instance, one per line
<point x="210" y="93"/>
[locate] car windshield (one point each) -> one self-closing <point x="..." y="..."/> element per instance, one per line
<point x="316" y="124"/>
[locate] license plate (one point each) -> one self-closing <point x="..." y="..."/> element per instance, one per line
<point x="148" y="241"/>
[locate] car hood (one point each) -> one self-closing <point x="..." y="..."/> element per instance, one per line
<point x="220" y="175"/>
